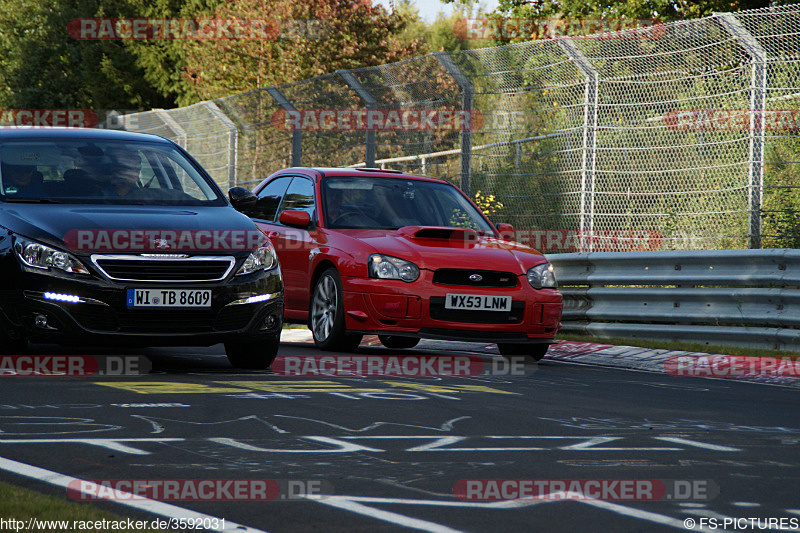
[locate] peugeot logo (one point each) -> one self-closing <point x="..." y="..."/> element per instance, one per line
<point x="161" y="244"/>
<point x="475" y="277"/>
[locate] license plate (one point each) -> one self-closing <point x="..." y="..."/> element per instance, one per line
<point x="200" y="298"/>
<point x="477" y="302"/>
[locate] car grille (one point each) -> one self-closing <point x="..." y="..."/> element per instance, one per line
<point x="183" y="269"/>
<point x="100" y="318"/>
<point x="438" y="312"/>
<point x="461" y="276"/>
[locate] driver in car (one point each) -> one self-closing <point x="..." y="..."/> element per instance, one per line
<point x="126" y="172"/>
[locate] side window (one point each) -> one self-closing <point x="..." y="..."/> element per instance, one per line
<point x="299" y="196"/>
<point x="269" y="199"/>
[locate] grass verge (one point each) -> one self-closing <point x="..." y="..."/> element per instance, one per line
<point x="23" y="504"/>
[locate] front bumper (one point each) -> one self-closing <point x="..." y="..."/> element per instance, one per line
<point x="102" y="315"/>
<point x="393" y="307"/>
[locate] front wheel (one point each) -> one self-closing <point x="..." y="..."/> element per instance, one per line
<point x="398" y="343"/>
<point x="534" y="351"/>
<point x="252" y="354"/>
<point x="327" y="315"/>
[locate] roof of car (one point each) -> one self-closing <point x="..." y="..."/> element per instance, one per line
<point x="358" y="172"/>
<point x="75" y="133"/>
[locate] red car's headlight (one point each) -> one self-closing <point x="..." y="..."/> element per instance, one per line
<point x="388" y="267"/>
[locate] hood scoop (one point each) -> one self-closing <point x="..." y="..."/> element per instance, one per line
<point x="438" y="233"/>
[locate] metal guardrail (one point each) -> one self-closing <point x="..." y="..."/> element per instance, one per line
<point x="726" y="297"/>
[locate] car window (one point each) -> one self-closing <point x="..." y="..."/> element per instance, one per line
<point x="269" y="199"/>
<point x="299" y="196"/>
<point x="102" y="171"/>
<point x="391" y="203"/>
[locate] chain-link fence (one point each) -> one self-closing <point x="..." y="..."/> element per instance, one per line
<point x="676" y="136"/>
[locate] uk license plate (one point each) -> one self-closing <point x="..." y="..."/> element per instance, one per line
<point x="160" y="298"/>
<point x="477" y="302"/>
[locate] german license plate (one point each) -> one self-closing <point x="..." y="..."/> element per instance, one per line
<point x="477" y="302"/>
<point x="161" y="298"/>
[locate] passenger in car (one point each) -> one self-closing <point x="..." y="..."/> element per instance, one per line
<point x="22" y="181"/>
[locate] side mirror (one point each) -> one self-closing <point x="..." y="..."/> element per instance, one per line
<point x="297" y="219"/>
<point x="242" y="199"/>
<point x="506" y="231"/>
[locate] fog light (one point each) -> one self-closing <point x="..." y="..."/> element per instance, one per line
<point x="40" y="321"/>
<point x="270" y="322"/>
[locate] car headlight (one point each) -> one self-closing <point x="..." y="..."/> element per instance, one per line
<point x="388" y="267"/>
<point x="542" y="277"/>
<point x="262" y="259"/>
<point x="38" y="255"/>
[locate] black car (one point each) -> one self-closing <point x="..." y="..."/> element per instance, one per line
<point x="116" y="238"/>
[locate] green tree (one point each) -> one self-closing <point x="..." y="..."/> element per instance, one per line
<point x="42" y="66"/>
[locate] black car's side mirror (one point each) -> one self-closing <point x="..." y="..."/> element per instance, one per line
<point x="242" y="199"/>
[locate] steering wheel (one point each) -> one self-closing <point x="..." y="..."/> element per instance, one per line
<point x="361" y="219"/>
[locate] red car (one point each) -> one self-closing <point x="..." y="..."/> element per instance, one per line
<point x="370" y="251"/>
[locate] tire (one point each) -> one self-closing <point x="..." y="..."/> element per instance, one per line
<point x="398" y="343"/>
<point x="252" y="354"/>
<point x="534" y="351"/>
<point x="327" y="315"/>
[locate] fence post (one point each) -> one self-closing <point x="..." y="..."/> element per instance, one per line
<point x="589" y="141"/>
<point x="297" y="134"/>
<point x="467" y="92"/>
<point x="758" y="103"/>
<point x="371" y="104"/>
<point x="233" y="140"/>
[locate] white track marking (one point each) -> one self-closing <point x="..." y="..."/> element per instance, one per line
<point x="121" y="497"/>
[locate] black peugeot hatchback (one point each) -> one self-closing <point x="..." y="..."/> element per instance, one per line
<point x="122" y="239"/>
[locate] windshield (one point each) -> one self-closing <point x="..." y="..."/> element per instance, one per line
<point x="93" y="171"/>
<point x="391" y="203"/>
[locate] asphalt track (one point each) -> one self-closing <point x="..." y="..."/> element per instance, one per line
<point x="388" y="451"/>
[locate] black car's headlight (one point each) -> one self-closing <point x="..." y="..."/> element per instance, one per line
<point x="262" y="259"/>
<point x="39" y="255"/>
<point x="388" y="267"/>
<point x="542" y="277"/>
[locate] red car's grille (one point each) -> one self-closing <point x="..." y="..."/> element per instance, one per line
<point x="474" y="278"/>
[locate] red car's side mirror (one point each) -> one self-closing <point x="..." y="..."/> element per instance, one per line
<point x="296" y="219"/>
<point x="506" y="231"/>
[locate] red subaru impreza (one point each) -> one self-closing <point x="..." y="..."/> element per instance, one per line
<point x="370" y="251"/>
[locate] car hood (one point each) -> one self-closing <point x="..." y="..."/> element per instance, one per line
<point x="436" y="247"/>
<point x="50" y="223"/>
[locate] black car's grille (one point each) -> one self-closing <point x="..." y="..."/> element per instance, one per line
<point x="95" y="317"/>
<point x="438" y="312"/>
<point x="461" y="276"/>
<point x="99" y="318"/>
<point x="233" y="317"/>
<point x="138" y="268"/>
<point x="166" y="321"/>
